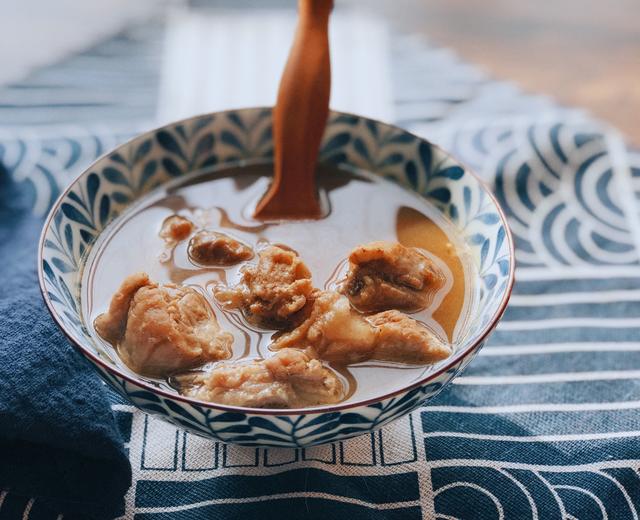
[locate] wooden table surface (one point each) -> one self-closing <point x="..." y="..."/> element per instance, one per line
<point x="584" y="53"/>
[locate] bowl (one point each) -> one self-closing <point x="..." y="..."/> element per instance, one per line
<point x="121" y="177"/>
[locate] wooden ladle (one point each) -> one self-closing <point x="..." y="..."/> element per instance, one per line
<point x="300" y="117"/>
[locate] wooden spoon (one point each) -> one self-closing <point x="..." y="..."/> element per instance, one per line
<point x="300" y="117"/>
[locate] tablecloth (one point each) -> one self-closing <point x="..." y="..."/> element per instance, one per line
<point x="542" y="424"/>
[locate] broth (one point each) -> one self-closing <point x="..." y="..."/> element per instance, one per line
<point x="360" y="208"/>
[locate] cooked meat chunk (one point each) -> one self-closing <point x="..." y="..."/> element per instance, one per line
<point x="386" y="275"/>
<point x="333" y="330"/>
<point x="402" y="339"/>
<point x="273" y="291"/>
<point x="289" y="379"/>
<point x="161" y="329"/>
<point x="111" y="324"/>
<point x="176" y="228"/>
<point x="211" y="248"/>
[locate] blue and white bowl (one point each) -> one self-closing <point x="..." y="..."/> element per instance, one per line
<point x="126" y="174"/>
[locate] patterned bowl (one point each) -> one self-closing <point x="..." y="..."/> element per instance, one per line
<point x="122" y="176"/>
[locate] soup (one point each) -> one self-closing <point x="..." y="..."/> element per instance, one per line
<point x="208" y="213"/>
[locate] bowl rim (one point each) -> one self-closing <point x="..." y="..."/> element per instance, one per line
<point x="116" y="371"/>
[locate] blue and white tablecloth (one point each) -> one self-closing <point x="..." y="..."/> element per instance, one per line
<point x="544" y="424"/>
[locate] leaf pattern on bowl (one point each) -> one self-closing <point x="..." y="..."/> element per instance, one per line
<point x="132" y="170"/>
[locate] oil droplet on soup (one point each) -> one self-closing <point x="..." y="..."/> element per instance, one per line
<point x="361" y="208"/>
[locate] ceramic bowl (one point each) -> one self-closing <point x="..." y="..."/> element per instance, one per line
<point x="123" y="176"/>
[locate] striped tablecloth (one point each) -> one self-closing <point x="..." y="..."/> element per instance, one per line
<point x="544" y="423"/>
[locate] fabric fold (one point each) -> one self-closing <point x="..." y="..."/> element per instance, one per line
<point x="59" y="442"/>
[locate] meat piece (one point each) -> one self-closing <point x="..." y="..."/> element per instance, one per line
<point x="333" y="330"/>
<point x="289" y="379"/>
<point x="404" y="340"/>
<point x="273" y="291"/>
<point x="386" y="275"/>
<point x="161" y="329"/>
<point x="176" y="228"/>
<point x="212" y="248"/>
<point x="111" y="324"/>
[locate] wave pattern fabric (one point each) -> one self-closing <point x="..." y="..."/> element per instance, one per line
<point x="543" y="424"/>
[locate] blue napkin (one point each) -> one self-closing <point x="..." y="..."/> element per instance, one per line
<point x="59" y="443"/>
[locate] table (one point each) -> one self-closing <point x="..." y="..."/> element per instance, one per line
<point x="581" y="52"/>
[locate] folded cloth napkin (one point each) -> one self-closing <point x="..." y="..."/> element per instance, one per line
<point x="59" y="442"/>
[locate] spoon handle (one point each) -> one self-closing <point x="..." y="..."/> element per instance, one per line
<point x="300" y="117"/>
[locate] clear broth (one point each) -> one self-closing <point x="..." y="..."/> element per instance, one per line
<point x="360" y="208"/>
